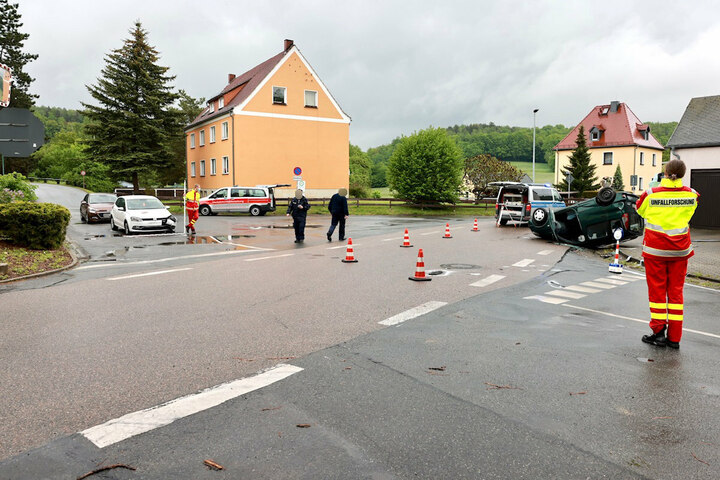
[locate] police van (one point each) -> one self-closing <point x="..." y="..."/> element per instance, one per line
<point x="517" y="201"/>
<point x="257" y="200"/>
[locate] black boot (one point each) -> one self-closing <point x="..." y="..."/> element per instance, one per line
<point x="675" y="345"/>
<point x="658" y="339"/>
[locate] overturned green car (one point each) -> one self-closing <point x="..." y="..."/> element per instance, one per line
<point x="590" y="223"/>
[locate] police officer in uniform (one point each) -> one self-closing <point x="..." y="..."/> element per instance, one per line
<point x="667" y="210"/>
<point x="298" y="208"/>
<point x="338" y="208"/>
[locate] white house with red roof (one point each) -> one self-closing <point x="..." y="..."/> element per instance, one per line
<point x="615" y="136"/>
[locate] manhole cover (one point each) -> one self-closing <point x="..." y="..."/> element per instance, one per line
<point x="459" y="266"/>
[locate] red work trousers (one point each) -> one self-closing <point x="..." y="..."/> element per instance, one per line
<point x="192" y="218"/>
<point x="665" y="281"/>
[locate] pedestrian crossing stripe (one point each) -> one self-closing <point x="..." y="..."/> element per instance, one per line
<point x="542" y="298"/>
<point x="625" y="278"/>
<point x="578" y="288"/>
<point x="563" y="293"/>
<point x="604" y="286"/>
<point x="611" y="281"/>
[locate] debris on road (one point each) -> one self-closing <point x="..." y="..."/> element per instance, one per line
<point x="492" y="386"/>
<point x="701" y="461"/>
<point x="212" y="465"/>
<point x="303" y="425"/>
<point x="440" y="369"/>
<point x="102" y="469"/>
<point x="578" y="393"/>
<point x="267" y="409"/>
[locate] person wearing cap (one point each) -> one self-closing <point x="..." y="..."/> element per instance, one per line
<point x="339" y="211"/>
<point x="667" y="210"/>
<point x="298" y="208"/>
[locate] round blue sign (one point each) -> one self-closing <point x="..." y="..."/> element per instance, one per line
<point x="297" y="170"/>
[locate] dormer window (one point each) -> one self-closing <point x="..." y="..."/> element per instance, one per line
<point x="221" y="102"/>
<point x="595" y="134"/>
<point x="211" y="107"/>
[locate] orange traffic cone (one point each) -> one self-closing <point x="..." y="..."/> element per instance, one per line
<point x="420" y="269"/>
<point x="475" y="229"/>
<point x="447" y="231"/>
<point x="406" y="240"/>
<point x="349" y="255"/>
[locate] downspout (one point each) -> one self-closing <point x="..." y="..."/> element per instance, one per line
<point x="232" y="146"/>
<point x="635" y="166"/>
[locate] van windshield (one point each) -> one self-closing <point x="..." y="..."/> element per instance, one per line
<point x="545" y="194"/>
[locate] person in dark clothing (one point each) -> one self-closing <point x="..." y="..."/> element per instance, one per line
<point x="339" y="210"/>
<point x="298" y="208"/>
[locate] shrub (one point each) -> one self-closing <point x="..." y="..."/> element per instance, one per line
<point x="12" y="184"/>
<point x="34" y="225"/>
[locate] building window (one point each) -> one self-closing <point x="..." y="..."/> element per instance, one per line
<point x="212" y="134"/>
<point x="213" y="169"/>
<point x="607" y="158"/>
<point x="226" y="165"/>
<point x="654" y="164"/>
<point x="202" y="138"/>
<point x="221" y="102"/>
<point x="202" y="168"/>
<point x="640" y="183"/>
<point x="310" y="98"/>
<point x="192" y="140"/>
<point x="642" y="158"/>
<point x="225" y="130"/>
<point x="595" y="135"/>
<point x="192" y="169"/>
<point x="211" y="107"/>
<point x="280" y="95"/>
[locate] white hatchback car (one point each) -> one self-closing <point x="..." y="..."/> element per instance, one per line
<point x="141" y="213"/>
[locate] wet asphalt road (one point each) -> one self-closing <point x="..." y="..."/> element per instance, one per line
<point x="529" y="389"/>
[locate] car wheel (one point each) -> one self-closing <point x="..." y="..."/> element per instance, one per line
<point x="112" y="224"/>
<point x="605" y="197"/>
<point x="205" y="210"/>
<point x="254" y="210"/>
<point x="127" y="228"/>
<point x="503" y="221"/>
<point x="262" y="213"/>
<point x="539" y="217"/>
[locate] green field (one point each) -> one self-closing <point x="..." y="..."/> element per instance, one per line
<point x="543" y="172"/>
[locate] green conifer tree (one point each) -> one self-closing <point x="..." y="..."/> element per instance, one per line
<point x="11" y="54"/>
<point x="618" y="183"/>
<point x="134" y="127"/>
<point x="583" y="172"/>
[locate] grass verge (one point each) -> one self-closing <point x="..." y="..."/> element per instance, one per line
<point x="22" y="261"/>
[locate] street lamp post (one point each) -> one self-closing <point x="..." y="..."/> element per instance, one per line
<point x="534" y="113"/>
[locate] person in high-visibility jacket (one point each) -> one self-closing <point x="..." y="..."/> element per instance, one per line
<point x="192" y="206"/>
<point x="667" y="210"/>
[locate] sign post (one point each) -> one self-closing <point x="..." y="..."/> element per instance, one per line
<point x="83" y="175"/>
<point x="569" y="178"/>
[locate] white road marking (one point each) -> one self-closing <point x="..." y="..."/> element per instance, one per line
<point x="430" y="233"/>
<point x="624" y="278"/>
<point x="487" y="281"/>
<point x="646" y="322"/>
<point x="604" y="286"/>
<point x="552" y="300"/>
<point x="158" y="260"/>
<point x="343" y="246"/>
<point x="611" y="281"/>
<point x="578" y="288"/>
<point x="159" y="272"/>
<point x="413" y="312"/>
<point x="393" y="240"/>
<point x="524" y="262"/>
<point x="265" y="258"/>
<point x="563" y="293"/>
<point x="143" y="421"/>
<point x="545" y="252"/>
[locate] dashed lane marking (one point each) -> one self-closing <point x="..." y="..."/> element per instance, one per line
<point x="487" y="281"/>
<point x="545" y="252"/>
<point x="645" y="322"/>
<point x="412" y="313"/>
<point x="430" y="233"/>
<point x="393" y="239"/>
<point x="343" y="246"/>
<point x="147" y="274"/>
<point x="611" y="281"/>
<point x="563" y="293"/>
<point x="542" y="298"/>
<point x="604" y="286"/>
<point x="524" y="262"/>
<point x="143" y="421"/>
<point x="578" y="288"/>
<point x="266" y="258"/>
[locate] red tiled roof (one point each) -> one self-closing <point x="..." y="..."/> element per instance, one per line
<point x="248" y="82"/>
<point x="620" y="128"/>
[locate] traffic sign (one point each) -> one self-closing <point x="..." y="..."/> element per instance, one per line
<point x="297" y="170"/>
<point x="569" y="178"/>
<point x="301" y="185"/>
<point x="82" y="173"/>
<point x="21" y="132"/>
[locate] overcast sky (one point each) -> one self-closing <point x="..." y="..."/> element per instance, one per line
<point x="399" y="66"/>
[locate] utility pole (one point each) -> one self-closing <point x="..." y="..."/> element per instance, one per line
<point x="534" y="113"/>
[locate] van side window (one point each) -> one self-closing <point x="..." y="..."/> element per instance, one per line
<point x="220" y="194"/>
<point x="256" y="192"/>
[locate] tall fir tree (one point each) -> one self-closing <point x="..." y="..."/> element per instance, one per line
<point x="12" y="55"/>
<point x="583" y="172"/>
<point x="134" y="127"/>
<point x="618" y="183"/>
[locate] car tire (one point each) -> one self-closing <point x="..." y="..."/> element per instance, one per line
<point x="127" y="228"/>
<point x="539" y="217"/>
<point x="262" y="213"/>
<point x="205" y="210"/>
<point x="254" y="211"/>
<point x="605" y="197"/>
<point x="503" y="221"/>
<point x="112" y="224"/>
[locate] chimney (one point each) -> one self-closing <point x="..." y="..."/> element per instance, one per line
<point x="231" y="77"/>
<point x="614" y="105"/>
<point x="288" y="44"/>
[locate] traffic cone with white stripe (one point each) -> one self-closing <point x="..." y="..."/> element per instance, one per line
<point x="475" y="229"/>
<point x="447" y="231"/>
<point x="615" y="267"/>
<point x="420" y="269"/>
<point x="406" y="239"/>
<point x="349" y="254"/>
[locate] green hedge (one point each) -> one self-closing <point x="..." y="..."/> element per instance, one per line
<point x="35" y="225"/>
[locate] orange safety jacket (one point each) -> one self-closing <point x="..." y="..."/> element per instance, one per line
<point x="192" y="200"/>
<point x="667" y="211"/>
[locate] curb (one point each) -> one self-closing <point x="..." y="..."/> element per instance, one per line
<point x="69" y="248"/>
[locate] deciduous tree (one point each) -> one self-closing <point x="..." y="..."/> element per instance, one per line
<point x="359" y="172"/>
<point x="480" y="170"/>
